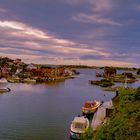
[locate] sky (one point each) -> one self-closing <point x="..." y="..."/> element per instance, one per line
<point x="81" y="32"/>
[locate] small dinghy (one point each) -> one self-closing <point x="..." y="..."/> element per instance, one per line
<point x="3" y="90"/>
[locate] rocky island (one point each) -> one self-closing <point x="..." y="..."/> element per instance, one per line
<point x="16" y="71"/>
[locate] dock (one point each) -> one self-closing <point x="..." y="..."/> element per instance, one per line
<point x="101" y="114"/>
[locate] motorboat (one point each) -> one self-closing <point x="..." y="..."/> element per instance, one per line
<point x="3" y="90"/>
<point x="28" y="80"/>
<point x="90" y="107"/>
<point x="78" y="127"/>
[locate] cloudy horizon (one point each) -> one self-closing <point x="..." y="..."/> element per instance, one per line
<point x="91" y="32"/>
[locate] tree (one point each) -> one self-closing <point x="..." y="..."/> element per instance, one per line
<point x="138" y="72"/>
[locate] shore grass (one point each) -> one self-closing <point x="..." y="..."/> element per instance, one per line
<point x="124" y="122"/>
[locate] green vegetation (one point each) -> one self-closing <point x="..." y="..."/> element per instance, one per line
<point x="118" y="88"/>
<point x="131" y="78"/>
<point x="121" y="78"/>
<point x="88" y="135"/>
<point x="124" y="122"/>
<point x="138" y="72"/>
<point x="102" y="83"/>
<point x="79" y="66"/>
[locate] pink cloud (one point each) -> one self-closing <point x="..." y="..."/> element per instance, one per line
<point x="95" y="19"/>
<point x="28" y="41"/>
<point x="42" y="40"/>
<point x="101" y="5"/>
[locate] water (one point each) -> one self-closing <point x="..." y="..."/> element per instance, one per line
<point x="45" y="111"/>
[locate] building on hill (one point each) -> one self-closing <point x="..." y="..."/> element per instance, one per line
<point x="31" y="66"/>
<point x="68" y="72"/>
<point x="51" y="72"/>
<point x="128" y="75"/>
<point x="4" y="70"/>
<point x="19" y="70"/>
<point x="16" y="61"/>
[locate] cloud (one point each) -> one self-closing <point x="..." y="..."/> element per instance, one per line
<point x="101" y="5"/>
<point x="42" y="46"/>
<point x="95" y="5"/>
<point x="73" y="2"/>
<point x="138" y="7"/>
<point x="2" y="10"/>
<point x="18" y="36"/>
<point x="23" y="29"/>
<point x="95" y="19"/>
<point x="98" y="41"/>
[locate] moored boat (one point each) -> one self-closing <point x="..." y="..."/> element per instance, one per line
<point x="2" y="90"/>
<point x="28" y="80"/>
<point x="78" y="126"/>
<point x="90" y="107"/>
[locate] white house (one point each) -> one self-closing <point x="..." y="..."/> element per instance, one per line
<point x="31" y="66"/>
<point x="68" y="71"/>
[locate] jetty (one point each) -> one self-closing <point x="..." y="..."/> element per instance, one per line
<point x="101" y="114"/>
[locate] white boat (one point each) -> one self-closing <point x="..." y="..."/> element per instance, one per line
<point x="28" y="80"/>
<point x="3" y="81"/>
<point x="2" y="90"/>
<point x="78" y="126"/>
<point x="90" y="107"/>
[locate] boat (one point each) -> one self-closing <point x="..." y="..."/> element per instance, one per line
<point x="78" y="126"/>
<point x="2" y="90"/>
<point x="90" y="107"/>
<point x="3" y="81"/>
<point x="28" y="80"/>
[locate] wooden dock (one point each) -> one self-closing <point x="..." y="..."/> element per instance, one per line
<point x="101" y="114"/>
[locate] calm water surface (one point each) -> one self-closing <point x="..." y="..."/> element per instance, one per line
<point x="45" y="111"/>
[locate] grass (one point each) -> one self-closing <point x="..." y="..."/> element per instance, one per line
<point x="124" y="122"/>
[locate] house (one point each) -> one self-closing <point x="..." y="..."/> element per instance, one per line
<point x="31" y="66"/>
<point x="51" y="72"/>
<point x="18" y="71"/>
<point x="128" y="75"/>
<point x="68" y="72"/>
<point x="16" y="61"/>
<point x="4" y="69"/>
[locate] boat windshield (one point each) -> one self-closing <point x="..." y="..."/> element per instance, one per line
<point x="79" y="125"/>
<point x="89" y="104"/>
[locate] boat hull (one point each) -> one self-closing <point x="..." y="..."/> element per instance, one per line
<point x="75" y="136"/>
<point x="87" y="111"/>
<point x="90" y="110"/>
<point x="5" y="90"/>
<point x="76" y="132"/>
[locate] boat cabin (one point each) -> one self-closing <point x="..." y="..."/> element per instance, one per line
<point x="79" y="124"/>
<point x="89" y="104"/>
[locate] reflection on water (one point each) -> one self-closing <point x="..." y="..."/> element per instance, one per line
<point x="45" y="111"/>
